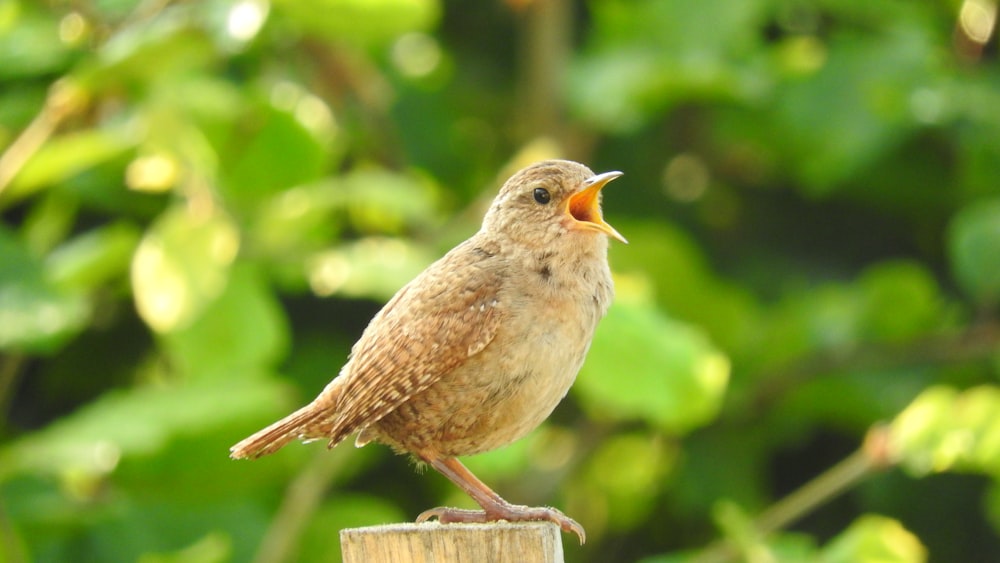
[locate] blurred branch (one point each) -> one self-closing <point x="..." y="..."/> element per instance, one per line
<point x="545" y="55"/>
<point x="873" y="456"/>
<point x="301" y="500"/>
<point x="63" y="100"/>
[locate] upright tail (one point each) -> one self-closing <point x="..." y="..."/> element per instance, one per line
<point x="307" y="422"/>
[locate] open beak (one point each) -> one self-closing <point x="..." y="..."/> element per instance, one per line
<point x="585" y="206"/>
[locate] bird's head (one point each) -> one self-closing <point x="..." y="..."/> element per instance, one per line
<point x="551" y="199"/>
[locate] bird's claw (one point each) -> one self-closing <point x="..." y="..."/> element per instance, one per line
<point x="510" y="513"/>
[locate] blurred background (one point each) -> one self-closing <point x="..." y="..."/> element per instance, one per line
<point x="203" y="203"/>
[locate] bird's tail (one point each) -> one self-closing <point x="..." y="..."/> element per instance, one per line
<point x="305" y="423"/>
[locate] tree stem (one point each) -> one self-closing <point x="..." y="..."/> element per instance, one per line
<point x="815" y="493"/>
<point x="873" y="456"/>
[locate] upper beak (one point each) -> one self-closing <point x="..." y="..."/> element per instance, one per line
<point x="585" y="206"/>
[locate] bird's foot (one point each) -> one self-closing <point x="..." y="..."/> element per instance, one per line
<point x="508" y="512"/>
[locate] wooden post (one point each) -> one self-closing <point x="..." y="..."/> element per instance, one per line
<point x="429" y="542"/>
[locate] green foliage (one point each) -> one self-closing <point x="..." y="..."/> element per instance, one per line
<point x="944" y="430"/>
<point x="643" y="56"/>
<point x="875" y="538"/>
<point x="682" y="376"/>
<point x="365" y="22"/>
<point x="34" y="314"/>
<point x="67" y="156"/>
<point x="974" y="239"/>
<point x="182" y="265"/>
<point x="239" y="331"/>
<point x="869" y="539"/>
<point x="136" y="422"/>
<point x="204" y="202"/>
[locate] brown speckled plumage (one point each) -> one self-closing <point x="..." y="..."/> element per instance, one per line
<point x="478" y="349"/>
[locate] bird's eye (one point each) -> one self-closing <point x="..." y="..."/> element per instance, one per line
<point x="542" y="195"/>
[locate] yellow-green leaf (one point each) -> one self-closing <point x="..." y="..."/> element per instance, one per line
<point x="182" y="264"/>
<point x="645" y="366"/>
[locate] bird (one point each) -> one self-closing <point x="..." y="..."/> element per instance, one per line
<point x="479" y="348"/>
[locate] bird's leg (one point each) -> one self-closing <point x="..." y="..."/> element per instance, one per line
<point x="494" y="507"/>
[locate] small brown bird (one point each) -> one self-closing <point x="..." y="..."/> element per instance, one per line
<point x="478" y="349"/>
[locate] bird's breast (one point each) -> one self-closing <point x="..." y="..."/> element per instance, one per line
<point x="534" y="359"/>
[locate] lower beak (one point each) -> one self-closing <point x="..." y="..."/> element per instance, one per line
<point x="585" y="205"/>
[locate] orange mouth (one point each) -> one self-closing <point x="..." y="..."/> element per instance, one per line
<point x="585" y="208"/>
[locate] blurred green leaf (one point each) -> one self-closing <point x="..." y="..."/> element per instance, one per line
<point x="685" y="285"/>
<point x="242" y="331"/>
<point x="136" y="422"/>
<point x="92" y="259"/>
<point x="869" y="539"/>
<point x="182" y="264"/>
<point x="363" y="22"/>
<point x="901" y="300"/>
<point x="49" y="222"/>
<point x="297" y="223"/>
<point x="204" y="99"/>
<point x="29" y="41"/>
<point x="38" y="318"/>
<point x="619" y="485"/>
<point x="875" y="539"/>
<point x="893" y="302"/>
<point x="829" y="318"/>
<point x="973" y="240"/>
<point x="373" y="267"/>
<point x="373" y="201"/>
<point x="213" y="548"/>
<point x="67" y="155"/>
<point x="979" y="145"/>
<point x="947" y="430"/>
<point x="124" y="527"/>
<point x="18" y="106"/>
<point x="380" y="201"/>
<point x="146" y="52"/>
<point x="644" y="366"/>
<point x="34" y="314"/>
<point x="644" y="55"/>
<point x="855" y="108"/>
<point x="510" y="461"/>
<point x="278" y="154"/>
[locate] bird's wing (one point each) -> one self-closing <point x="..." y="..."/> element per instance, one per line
<point x="432" y="326"/>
